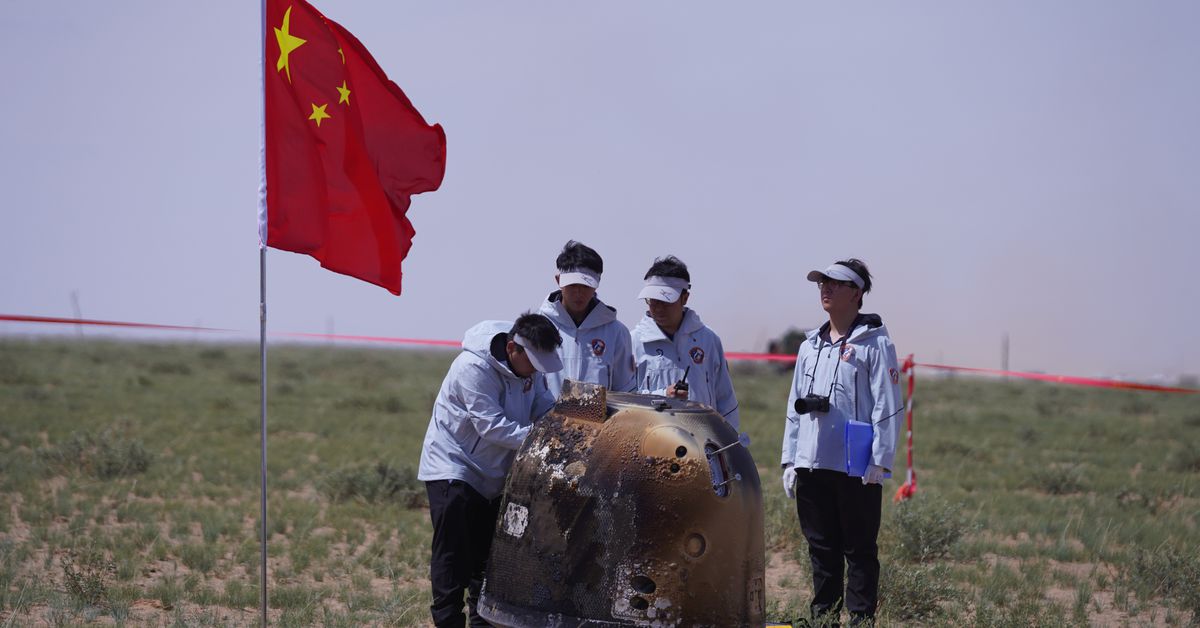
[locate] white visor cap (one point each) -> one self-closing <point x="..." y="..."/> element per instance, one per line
<point x="839" y="272"/>
<point x="543" y="361"/>
<point x="580" y="277"/>
<point x="663" y="288"/>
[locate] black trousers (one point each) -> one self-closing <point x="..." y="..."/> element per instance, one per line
<point x="463" y="522"/>
<point x="840" y="519"/>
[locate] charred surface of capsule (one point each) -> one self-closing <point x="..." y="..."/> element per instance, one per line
<point x="618" y="512"/>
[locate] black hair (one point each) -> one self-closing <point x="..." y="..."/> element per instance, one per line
<point x="859" y="267"/>
<point x="537" y="329"/>
<point x="669" y="266"/>
<point x="579" y="255"/>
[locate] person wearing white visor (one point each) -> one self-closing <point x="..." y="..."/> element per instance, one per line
<point x="846" y="370"/>
<point x="596" y="346"/>
<point x="494" y="391"/>
<point x="671" y="341"/>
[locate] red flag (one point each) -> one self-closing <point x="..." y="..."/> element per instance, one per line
<point x="345" y="149"/>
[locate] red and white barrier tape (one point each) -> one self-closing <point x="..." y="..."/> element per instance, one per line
<point x="1062" y="379"/>
<point x="84" y="321"/>
<point x="294" y="334"/>
<point x="387" y="339"/>
<point x="736" y="356"/>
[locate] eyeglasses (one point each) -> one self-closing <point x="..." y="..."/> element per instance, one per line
<point x="833" y="283"/>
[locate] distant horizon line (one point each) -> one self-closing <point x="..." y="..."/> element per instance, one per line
<point x="1182" y="382"/>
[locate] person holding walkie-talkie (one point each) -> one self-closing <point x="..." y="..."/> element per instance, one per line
<point x="676" y="354"/>
<point x="681" y="386"/>
<point x="846" y="377"/>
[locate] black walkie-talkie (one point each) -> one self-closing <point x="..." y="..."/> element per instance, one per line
<point x="682" y="384"/>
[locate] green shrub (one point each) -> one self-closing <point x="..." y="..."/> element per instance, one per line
<point x="1057" y="479"/>
<point x="375" y="484"/>
<point x="168" y="591"/>
<point x="171" y="368"/>
<point x="293" y="597"/>
<point x="1152" y="502"/>
<point x="105" y="455"/>
<point x="383" y="403"/>
<point x="781" y="527"/>
<point x="215" y="354"/>
<point x="913" y="592"/>
<point x="1138" y="405"/>
<point x="85" y="577"/>
<point x="1020" y="612"/>
<point x="927" y="528"/>
<point x="1185" y="459"/>
<point x="1166" y="572"/>
<point x="240" y="595"/>
<point x="201" y="557"/>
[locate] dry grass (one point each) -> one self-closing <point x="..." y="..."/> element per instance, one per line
<point x="129" y="484"/>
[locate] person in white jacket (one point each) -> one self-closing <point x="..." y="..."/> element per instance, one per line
<point x="845" y="371"/>
<point x="596" y="346"/>
<point x="671" y="341"/>
<point x="490" y="397"/>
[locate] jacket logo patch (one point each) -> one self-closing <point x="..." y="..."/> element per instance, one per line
<point x="848" y="353"/>
<point x="894" y="375"/>
<point x="697" y="355"/>
<point x="597" y="347"/>
<point x="528" y="384"/>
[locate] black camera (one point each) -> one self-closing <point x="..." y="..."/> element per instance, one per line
<point x="812" y="403"/>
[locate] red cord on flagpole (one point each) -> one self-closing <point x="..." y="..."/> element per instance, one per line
<point x="909" y="487"/>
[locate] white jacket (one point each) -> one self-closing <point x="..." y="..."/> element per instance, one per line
<point x="481" y="416"/>
<point x="662" y="361"/>
<point x="597" y="351"/>
<point x="865" y="382"/>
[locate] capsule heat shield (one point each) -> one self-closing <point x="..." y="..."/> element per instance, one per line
<point x="626" y="509"/>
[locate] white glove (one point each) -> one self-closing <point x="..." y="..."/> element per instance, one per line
<point x="789" y="481"/>
<point x="873" y="475"/>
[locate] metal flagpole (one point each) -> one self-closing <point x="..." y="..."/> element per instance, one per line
<point x="262" y="355"/>
<point x="262" y="309"/>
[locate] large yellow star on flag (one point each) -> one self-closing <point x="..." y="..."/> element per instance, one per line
<point x="319" y="114"/>
<point x="287" y="43"/>
<point x="344" y="94"/>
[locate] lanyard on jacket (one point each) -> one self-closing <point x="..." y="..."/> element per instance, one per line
<point x="841" y="347"/>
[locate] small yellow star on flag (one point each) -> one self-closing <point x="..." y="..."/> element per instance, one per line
<point x="344" y="94"/>
<point x="319" y="114"/>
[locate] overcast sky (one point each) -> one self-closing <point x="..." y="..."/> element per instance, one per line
<point x="1026" y="167"/>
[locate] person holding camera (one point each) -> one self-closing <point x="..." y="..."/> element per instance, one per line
<point x="494" y="391"/>
<point x="677" y="355"/>
<point x="846" y="371"/>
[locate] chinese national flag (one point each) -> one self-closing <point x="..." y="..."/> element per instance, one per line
<point x="345" y="149"/>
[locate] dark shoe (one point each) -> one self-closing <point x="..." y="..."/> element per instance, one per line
<point x="862" y="620"/>
<point x="828" y="619"/>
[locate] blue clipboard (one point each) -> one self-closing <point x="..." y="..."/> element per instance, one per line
<point x="858" y="448"/>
